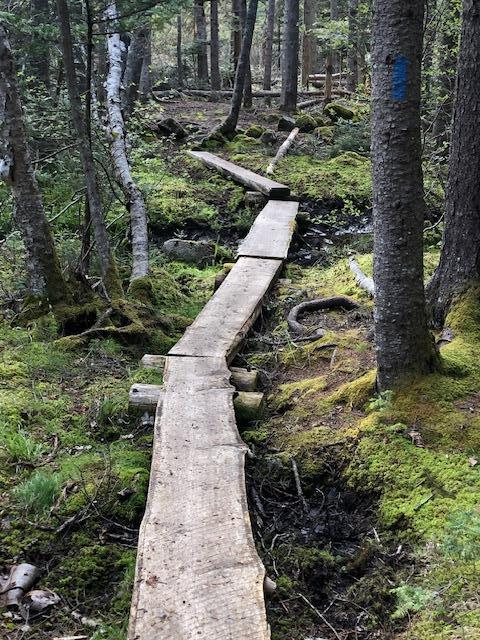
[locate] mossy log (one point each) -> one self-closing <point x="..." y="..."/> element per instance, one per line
<point x="146" y="397"/>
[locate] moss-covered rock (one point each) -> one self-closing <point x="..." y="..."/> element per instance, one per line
<point x="255" y="131"/>
<point x="337" y="110"/>
<point x="324" y="133"/>
<point x="305" y="122"/>
<point x="241" y="142"/>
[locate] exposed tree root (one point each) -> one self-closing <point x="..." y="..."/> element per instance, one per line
<point x="335" y="302"/>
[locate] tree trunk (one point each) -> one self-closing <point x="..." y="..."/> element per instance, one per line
<point x="268" y="50"/>
<point x="335" y="15"/>
<point x="179" y="51"/>
<point x="133" y="195"/>
<point x="214" y="47"/>
<point x="308" y="40"/>
<point x="447" y="54"/>
<point x="328" y="78"/>
<point x="133" y="70"/>
<point x="403" y="344"/>
<point x="230" y="123"/>
<point x="100" y="53"/>
<point x="43" y="267"/>
<point x="460" y="257"/>
<point x="236" y="34"/>
<point x="352" y="55"/>
<point x="247" y="90"/>
<point x="201" y="42"/>
<point x="40" y="53"/>
<point x="145" y="85"/>
<point x="108" y="268"/>
<point x="288" y="101"/>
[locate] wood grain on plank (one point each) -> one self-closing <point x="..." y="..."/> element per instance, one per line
<point x="272" y="231"/>
<point x="198" y="573"/>
<point x="225" y="320"/>
<point x="244" y="176"/>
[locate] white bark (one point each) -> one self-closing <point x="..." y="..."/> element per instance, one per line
<point x="135" y="200"/>
<point x="282" y="150"/>
<point x="363" y="281"/>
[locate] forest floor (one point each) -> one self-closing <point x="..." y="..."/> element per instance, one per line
<point x="376" y="536"/>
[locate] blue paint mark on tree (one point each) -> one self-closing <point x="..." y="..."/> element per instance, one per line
<point x="400" y="78"/>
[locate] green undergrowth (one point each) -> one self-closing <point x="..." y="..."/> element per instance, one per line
<point x="417" y="450"/>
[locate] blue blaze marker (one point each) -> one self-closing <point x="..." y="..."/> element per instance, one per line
<point x="400" y="78"/>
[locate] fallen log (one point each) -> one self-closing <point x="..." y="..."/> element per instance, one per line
<point x="335" y="302"/>
<point x="282" y="151"/>
<point x="322" y="76"/>
<point x="149" y="398"/>
<point x="363" y="281"/>
<point x="309" y="103"/>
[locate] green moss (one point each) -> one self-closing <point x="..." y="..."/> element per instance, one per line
<point x="141" y="289"/>
<point x="324" y="133"/>
<point x="242" y="141"/>
<point x="305" y="122"/>
<point x="336" y="110"/>
<point x="255" y="131"/>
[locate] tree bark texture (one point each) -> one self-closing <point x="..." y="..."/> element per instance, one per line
<point x="308" y="40"/>
<point x="179" y="51"/>
<point x="145" y="84"/>
<point x="403" y="344"/>
<point x="352" y="54"/>
<point x="247" y="90"/>
<point x="460" y="257"/>
<point x="40" y="53"/>
<point x="215" y="78"/>
<point x="335" y="15"/>
<point x="236" y="34"/>
<point x="16" y="168"/>
<point x="108" y="268"/>
<point x="291" y="36"/>
<point x="268" y="47"/>
<point x="133" y="69"/>
<point x="134" y="197"/>
<point x="229" y="125"/>
<point x="201" y="42"/>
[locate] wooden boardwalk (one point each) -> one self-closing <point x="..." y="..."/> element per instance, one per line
<point x="198" y="574"/>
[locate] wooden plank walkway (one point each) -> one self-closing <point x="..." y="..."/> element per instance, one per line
<point x="246" y="177"/>
<point x="198" y="574"/>
<point x="272" y="231"/>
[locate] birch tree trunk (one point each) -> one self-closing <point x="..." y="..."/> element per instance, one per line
<point x="43" y="267"/>
<point x="268" y="49"/>
<point x="230" y="123"/>
<point x="288" y="100"/>
<point x="460" y="258"/>
<point x="201" y="42"/>
<point x="108" y="268"/>
<point x="133" y="70"/>
<point x="403" y="344"/>
<point x="215" y="78"/>
<point x="133" y="195"/>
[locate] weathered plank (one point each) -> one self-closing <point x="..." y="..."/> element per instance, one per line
<point x="225" y="320"/>
<point x="271" y="233"/>
<point x="246" y="177"/>
<point x="198" y="574"/>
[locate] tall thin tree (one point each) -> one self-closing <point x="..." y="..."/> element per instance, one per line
<point x="268" y="46"/>
<point x="247" y="90"/>
<point x="179" y="51"/>
<point x="352" y="54"/>
<point x="16" y="169"/>
<point x="460" y="258"/>
<point x="403" y="344"/>
<point x="215" y="79"/>
<point x="110" y="278"/>
<point x="201" y="41"/>
<point x="291" y="40"/>
<point x="308" y="39"/>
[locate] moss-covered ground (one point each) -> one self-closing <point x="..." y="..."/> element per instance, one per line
<point x="384" y="542"/>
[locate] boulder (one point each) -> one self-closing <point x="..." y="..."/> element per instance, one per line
<point x="305" y="123"/>
<point x="169" y="127"/>
<point x="269" y="137"/>
<point x="191" y="251"/>
<point x="255" y="131"/>
<point x="286" y="123"/>
<point x="336" y="110"/>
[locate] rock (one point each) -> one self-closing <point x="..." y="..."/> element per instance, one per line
<point x="241" y="142"/>
<point x="269" y="137"/>
<point x="305" y="123"/>
<point x="286" y="123"/>
<point x="255" y="131"/>
<point x="324" y="133"/>
<point x="191" y="251"/>
<point x="322" y="120"/>
<point x="254" y="198"/>
<point x="214" y="140"/>
<point x="169" y="127"/>
<point x="335" y="110"/>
